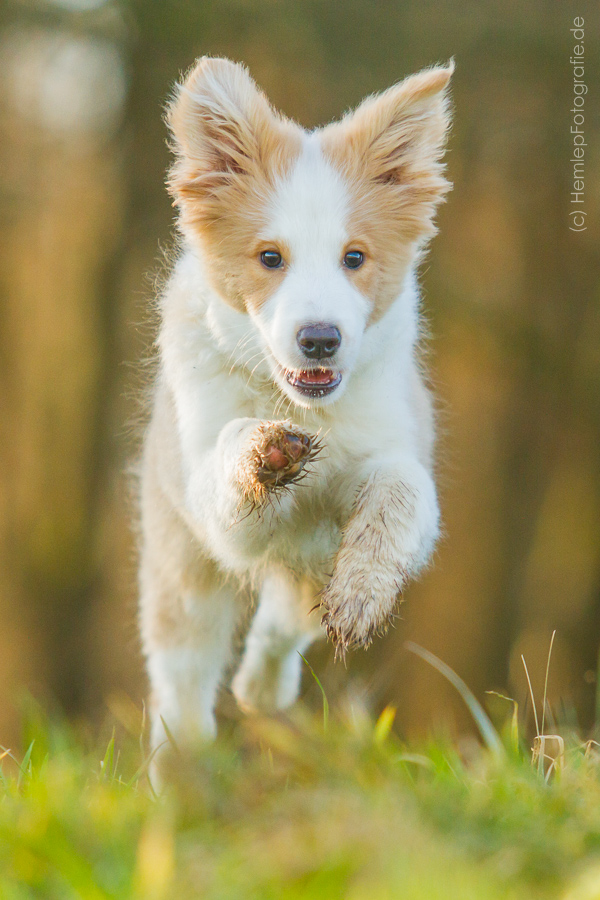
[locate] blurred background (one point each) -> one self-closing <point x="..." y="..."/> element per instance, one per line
<point x="512" y="295"/>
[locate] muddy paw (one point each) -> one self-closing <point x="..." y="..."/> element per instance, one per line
<point x="283" y="457"/>
<point x="358" y="607"/>
<point x="347" y="629"/>
<point x="279" y="454"/>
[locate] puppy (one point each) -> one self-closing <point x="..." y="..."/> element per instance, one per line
<point x="289" y="451"/>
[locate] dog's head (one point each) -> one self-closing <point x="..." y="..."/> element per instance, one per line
<point x="309" y="234"/>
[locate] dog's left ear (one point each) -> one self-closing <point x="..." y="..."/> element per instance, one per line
<point x="397" y="138"/>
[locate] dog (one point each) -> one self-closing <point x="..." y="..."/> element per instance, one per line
<point x="289" y="452"/>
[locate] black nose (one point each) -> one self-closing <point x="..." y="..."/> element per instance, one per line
<point x="319" y="341"/>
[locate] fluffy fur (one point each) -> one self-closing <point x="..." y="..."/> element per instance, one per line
<point x="320" y="502"/>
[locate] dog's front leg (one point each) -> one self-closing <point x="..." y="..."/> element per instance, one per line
<point x="389" y="536"/>
<point x="229" y="491"/>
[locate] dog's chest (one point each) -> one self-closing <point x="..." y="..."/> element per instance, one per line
<point x="309" y="536"/>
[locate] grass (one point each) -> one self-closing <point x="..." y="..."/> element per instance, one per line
<point x="305" y="807"/>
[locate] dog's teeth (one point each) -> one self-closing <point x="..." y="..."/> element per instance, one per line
<point x="316" y="377"/>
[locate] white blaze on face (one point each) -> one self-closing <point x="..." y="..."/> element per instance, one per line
<point x="247" y="181"/>
<point x="308" y="222"/>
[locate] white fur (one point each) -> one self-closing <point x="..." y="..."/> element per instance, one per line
<point x="366" y="512"/>
<point x="308" y="214"/>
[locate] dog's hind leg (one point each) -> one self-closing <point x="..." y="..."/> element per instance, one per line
<point x="269" y="675"/>
<point x="185" y="669"/>
<point x="188" y="613"/>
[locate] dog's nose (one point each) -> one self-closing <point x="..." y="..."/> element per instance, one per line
<point x="319" y="341"/>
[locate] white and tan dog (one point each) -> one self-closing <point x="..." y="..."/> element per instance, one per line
<point x="289" y="451"/>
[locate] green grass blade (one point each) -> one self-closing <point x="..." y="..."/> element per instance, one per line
<point x="384" y="724"/>
<point x="25" y="768"/>
<point x="325" y="701"/>
<point x="482" y="720"/>
<point x="107" y="764"/>
<point x="170" y="737"/>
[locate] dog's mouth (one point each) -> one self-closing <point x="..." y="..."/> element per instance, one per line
<point x="313" y="382"/>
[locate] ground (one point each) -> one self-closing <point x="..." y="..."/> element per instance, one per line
<point x="303" y="807"/>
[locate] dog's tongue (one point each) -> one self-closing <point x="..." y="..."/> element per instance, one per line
<point x="316" y="376"/>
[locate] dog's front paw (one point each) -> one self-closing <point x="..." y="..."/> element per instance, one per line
<point x="277" y="456"/>
<point x="282" y="454"/>
<point x="357" y="605"/>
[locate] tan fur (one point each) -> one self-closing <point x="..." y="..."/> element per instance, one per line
<point x="390" y="151"/>
<point x="224" y="174"/>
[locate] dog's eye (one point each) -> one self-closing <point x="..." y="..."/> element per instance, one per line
<point x="354" y="259"/>
<point x="271" y="259"/>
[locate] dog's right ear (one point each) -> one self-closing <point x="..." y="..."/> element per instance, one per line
<point x="224" y="130"/>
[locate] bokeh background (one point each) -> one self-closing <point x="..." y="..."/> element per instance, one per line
<point x="512" y="296"/>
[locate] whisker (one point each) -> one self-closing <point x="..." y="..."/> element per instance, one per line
<point x="248" y="361"/>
